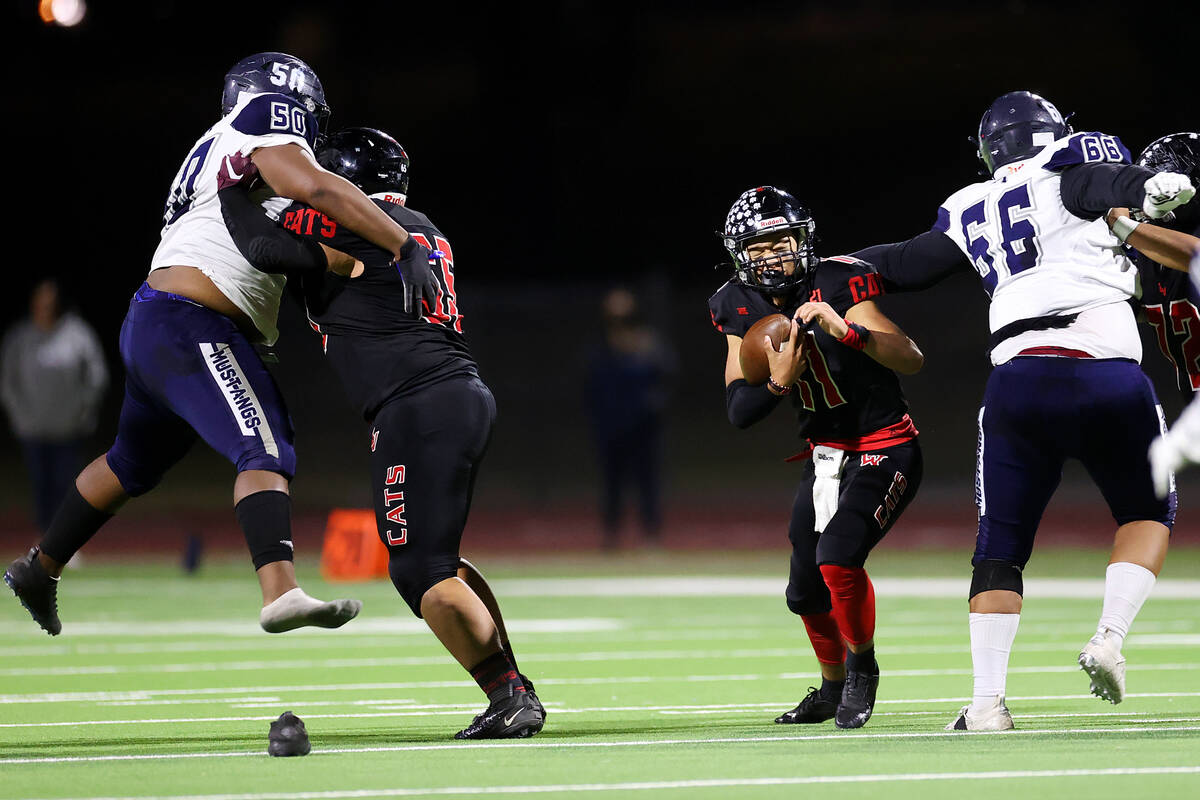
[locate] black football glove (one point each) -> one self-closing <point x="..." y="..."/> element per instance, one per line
<point x="419" y="280"/>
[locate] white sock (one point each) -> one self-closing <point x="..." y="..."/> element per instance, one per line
<point x="991" y="642"/>
<point x="295" y="609"/>
<point x="293" y="601"/>
<point x="1126" y="587"/>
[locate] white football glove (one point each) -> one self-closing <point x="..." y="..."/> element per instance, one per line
<point x="1164" y="460"/>
<point x="1175" y="449"/>
<point x="1166" y="191"/>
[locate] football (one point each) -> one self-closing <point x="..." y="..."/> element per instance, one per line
<point x="753" y="354"/>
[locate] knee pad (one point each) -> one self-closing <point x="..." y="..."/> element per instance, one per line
<point x="809" y="600"/>
<point x="414" y="577"/>
<point x="992" y="574"/>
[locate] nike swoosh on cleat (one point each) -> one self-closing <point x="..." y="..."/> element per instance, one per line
<point x="509" y="720"/>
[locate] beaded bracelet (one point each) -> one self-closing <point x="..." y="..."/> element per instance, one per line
<point x="775" y="388"/>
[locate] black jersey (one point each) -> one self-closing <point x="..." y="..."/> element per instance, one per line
<point x="379" y="351"/>
<point x="1172" y="307"/>
<point x="844" y="394"/>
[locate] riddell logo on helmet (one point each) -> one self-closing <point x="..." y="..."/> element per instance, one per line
<point x="766" y="223"/>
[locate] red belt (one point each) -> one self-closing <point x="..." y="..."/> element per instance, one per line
<point x="899" y="433"/>
<point x="1049" y="350"/>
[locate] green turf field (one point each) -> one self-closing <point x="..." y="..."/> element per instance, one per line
<point x="162" y="685"/>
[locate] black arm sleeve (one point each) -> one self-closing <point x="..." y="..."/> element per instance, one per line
<point x="747" y="404"/>
<point x="916" y="264"/>
<point x="1090" y="190"/>
<point x="264" y="244"/>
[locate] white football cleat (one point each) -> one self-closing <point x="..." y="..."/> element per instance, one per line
<point x="993" y="718"/>
<point x="1101" y="659"/>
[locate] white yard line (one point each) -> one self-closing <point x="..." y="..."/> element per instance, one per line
<point x="891" y="641"/>
<point x="248" y="626"/>
<point x="227" y="693"/>
<point x="273" y="665"/>
<point x="724" y="586"/>
<point x="702" y="783"/>
<point x="458" y="709"/>
<point x="555" y="745"/>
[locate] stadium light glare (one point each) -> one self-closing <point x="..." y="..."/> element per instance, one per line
<point x="67" y="13"/>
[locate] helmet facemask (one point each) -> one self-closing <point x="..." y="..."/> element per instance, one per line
<point x="769" y="273"/>
<point x="762" y="213"/>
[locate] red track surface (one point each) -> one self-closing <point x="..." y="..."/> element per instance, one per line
<point x="578" y="530"/>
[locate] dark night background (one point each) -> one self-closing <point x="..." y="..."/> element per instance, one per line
<point x="565" y="148"/>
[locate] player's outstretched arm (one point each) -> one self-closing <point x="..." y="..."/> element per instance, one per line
<point x="1174" y="249"/>
<point x="264" y="244"/>
<point x="916" y="264"/>
<point x="292" y="172"/>
<point x="866" y="328"/>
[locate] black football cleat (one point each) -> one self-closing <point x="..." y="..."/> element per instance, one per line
<point x="815" y="707"/>
<point x="532" y="692"/>
<point x="36" y="590"/>
<point x="288" y="736"/>
<point x="517" y="716"/>
<point x="858" y="699"/>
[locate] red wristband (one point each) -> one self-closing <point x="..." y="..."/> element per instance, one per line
<point x="775" y="388"/>
<point x="856" y="336"/>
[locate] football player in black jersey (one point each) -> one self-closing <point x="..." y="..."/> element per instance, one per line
<point x="404" y="362"/>
<point x="1169" y="300"/>
<point x="866" y="463"/>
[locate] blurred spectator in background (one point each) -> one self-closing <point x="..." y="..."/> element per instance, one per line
<point x="626" y="396"/>
<point x="52" y="380"/>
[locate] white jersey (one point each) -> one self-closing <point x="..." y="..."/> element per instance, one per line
<point x="1037" y="259"/>
<point x="194" y="232"/>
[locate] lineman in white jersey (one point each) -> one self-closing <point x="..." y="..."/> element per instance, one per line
<point x="1067" y="381"/>
<point x="192" y="371"/>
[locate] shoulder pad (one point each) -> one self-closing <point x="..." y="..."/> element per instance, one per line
<point x="942" y="223"/>
<point x="271" y="114"/>
<point x="731" y="310"/>
<point x="852" y="262"/>
<point x="1088" y="148"/>
<point x="847" y="281"/>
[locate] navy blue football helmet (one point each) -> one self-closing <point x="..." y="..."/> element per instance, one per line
<point x="368" y="158"/>
<point x="1016" y="126"/>
<point x="281" y="74"/>
<point x="1179" y="152"/>
<point x="766" y="211"/>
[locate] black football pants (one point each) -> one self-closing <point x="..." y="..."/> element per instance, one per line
<point x="425" y="452"/>
<point x="876" y="487"/>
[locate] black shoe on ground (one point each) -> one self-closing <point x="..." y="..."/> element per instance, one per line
<point x="517" y="716"/>
<point x="858" y="699"/>
<point x="288" y="736"/>
<point x="36" y="590"/>
<point x="815" y="707"/>
<point x="532" y="692"/>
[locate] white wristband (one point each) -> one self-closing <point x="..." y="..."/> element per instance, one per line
<point x="1123" y="226"/>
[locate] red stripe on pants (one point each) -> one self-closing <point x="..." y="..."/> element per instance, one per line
<point x="853" y="599"/>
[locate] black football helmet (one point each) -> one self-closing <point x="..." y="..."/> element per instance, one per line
<point x="279" y="73"/>
<point x="1179" y="152"/>
<point x="1017" y="126"/>
<point x="763" y="211"/>
<point x="368" y="158"/>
